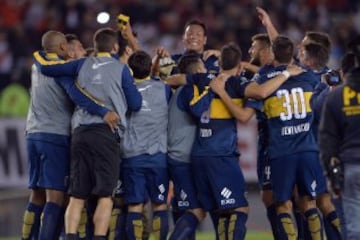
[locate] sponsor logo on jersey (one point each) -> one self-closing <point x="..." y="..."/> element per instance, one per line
<point x="97" y="65"/>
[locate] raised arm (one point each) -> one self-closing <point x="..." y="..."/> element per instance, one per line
<point x="176" y="80"/>
<point x="132" y="95"/>
<point x="266" y="21"/>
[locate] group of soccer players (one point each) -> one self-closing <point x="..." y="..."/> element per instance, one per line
<point x="131" y="134"/>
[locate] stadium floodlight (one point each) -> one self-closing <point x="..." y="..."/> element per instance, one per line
<point x="103" y="17"/>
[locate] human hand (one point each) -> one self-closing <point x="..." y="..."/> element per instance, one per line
<point x="217" y="85"/>
<point x="112" y="119"/>
<point x="210" y="52"/>
<point x="263" y="16"/>
<point x="294" y="70"/>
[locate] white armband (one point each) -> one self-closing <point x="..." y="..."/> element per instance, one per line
<point x="286" y="74"/>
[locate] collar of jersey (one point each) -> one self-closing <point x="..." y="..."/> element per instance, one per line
<point x="103" y="54"/>
<point x="52" y="56"/>
<point x="139" y="80"/>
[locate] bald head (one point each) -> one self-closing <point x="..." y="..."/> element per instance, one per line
<point x="54" y="42"/>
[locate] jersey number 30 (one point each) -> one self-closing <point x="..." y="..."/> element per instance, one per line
<point x="293" y="103"/>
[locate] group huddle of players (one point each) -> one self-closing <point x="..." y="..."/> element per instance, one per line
<point x="131" y="132"/>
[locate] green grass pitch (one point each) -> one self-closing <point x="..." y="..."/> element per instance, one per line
<point x="210" y="236"/>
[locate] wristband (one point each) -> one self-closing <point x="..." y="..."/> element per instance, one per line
<point x="286" y="74"/>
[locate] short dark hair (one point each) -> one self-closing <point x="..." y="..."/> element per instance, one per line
<point x="263" y="38"/>
<point x="318" y="54"/>
<point x="283" y="49"/>
<point x="230" y="56"/>
<point x="71" y="37"/>
<point x="140" y="64"/>
<point x="104" y="39"/>
<point x="188" y="63"/>
<point x="196" y="22"/>
<point x="320" y="38"/>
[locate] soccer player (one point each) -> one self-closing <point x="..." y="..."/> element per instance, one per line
<point x="194" y="39"/>
<point x="289" y="119"/>
<point x="88" y="177"/>
<point x="261" y="55"/>
<point x="324" y="202"/>
<point x="75" y="48"/>
<point x="144" y="148"/>
<point x="48" y="131"/>
<point x="218" y="176"/>
<point x="181" y="134"/>
<point x="315" y="56"/>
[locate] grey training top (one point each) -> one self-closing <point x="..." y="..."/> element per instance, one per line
<point x="146" y="132"/>
<point x="101" y="77"/>
<point x="50" y="108"/>
<point x="181" y="131"/>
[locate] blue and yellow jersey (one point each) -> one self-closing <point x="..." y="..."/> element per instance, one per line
<point x="216" y="127"/>
<point x="288" y="113"/>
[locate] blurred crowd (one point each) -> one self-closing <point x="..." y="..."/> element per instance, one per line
<point x="161" y="22"/>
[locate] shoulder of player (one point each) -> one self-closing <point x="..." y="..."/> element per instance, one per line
<point x="41" y="58"/>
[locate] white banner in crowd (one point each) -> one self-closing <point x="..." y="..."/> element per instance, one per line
<point x="13" y="155"/>
<point x="13" y="158"/>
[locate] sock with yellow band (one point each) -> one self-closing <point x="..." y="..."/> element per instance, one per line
<point x="160" y="225"/>
<point x="31" y="222"/>
<point x="134" y="226"/>
<point x="314" y="224"/>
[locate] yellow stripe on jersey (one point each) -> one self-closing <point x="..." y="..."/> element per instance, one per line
<point x="218" y="109"/>
<point x="197" y="96"/>
<point x="103" y="54"/>
<point x="43" y="61"/>
<point x="285" y="104"/>
<point x="87" y="94"/>
<point x="140" y="80"/>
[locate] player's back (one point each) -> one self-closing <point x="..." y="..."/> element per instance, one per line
<point x="50" y="108"/>
<point x="100" y="76"/>
<point x="217" y="133"/>
<point x="146" y="132"/>
<point x="289" y="115"/>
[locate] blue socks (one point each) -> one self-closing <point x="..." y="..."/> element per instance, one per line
<point x="185" y="227"/>
<point x="31" y="221"/>
<point x="314" y="224"/>
<point x="160" y="225"/>
<point x="271" y="215"/>
<point x="237" y="227"/>
<point x="50" y="220"/>
<point x="332" y="226"/>
<point x="134" y="226"/>
<point x="287" y="229"/>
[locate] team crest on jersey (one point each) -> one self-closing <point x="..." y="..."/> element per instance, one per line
<point x="205" y="116"/>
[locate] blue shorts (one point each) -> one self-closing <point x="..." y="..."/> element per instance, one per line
<point x="184" y="186"/>
<point x="143" y="183"/>
<point x="120" y="189"/>
<point x="49" y="160"/>
<point x="263" y="170"/>
<point x="321" y="180"/>
<point x="300" y="169"/>
<point x="219" y="182"/>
